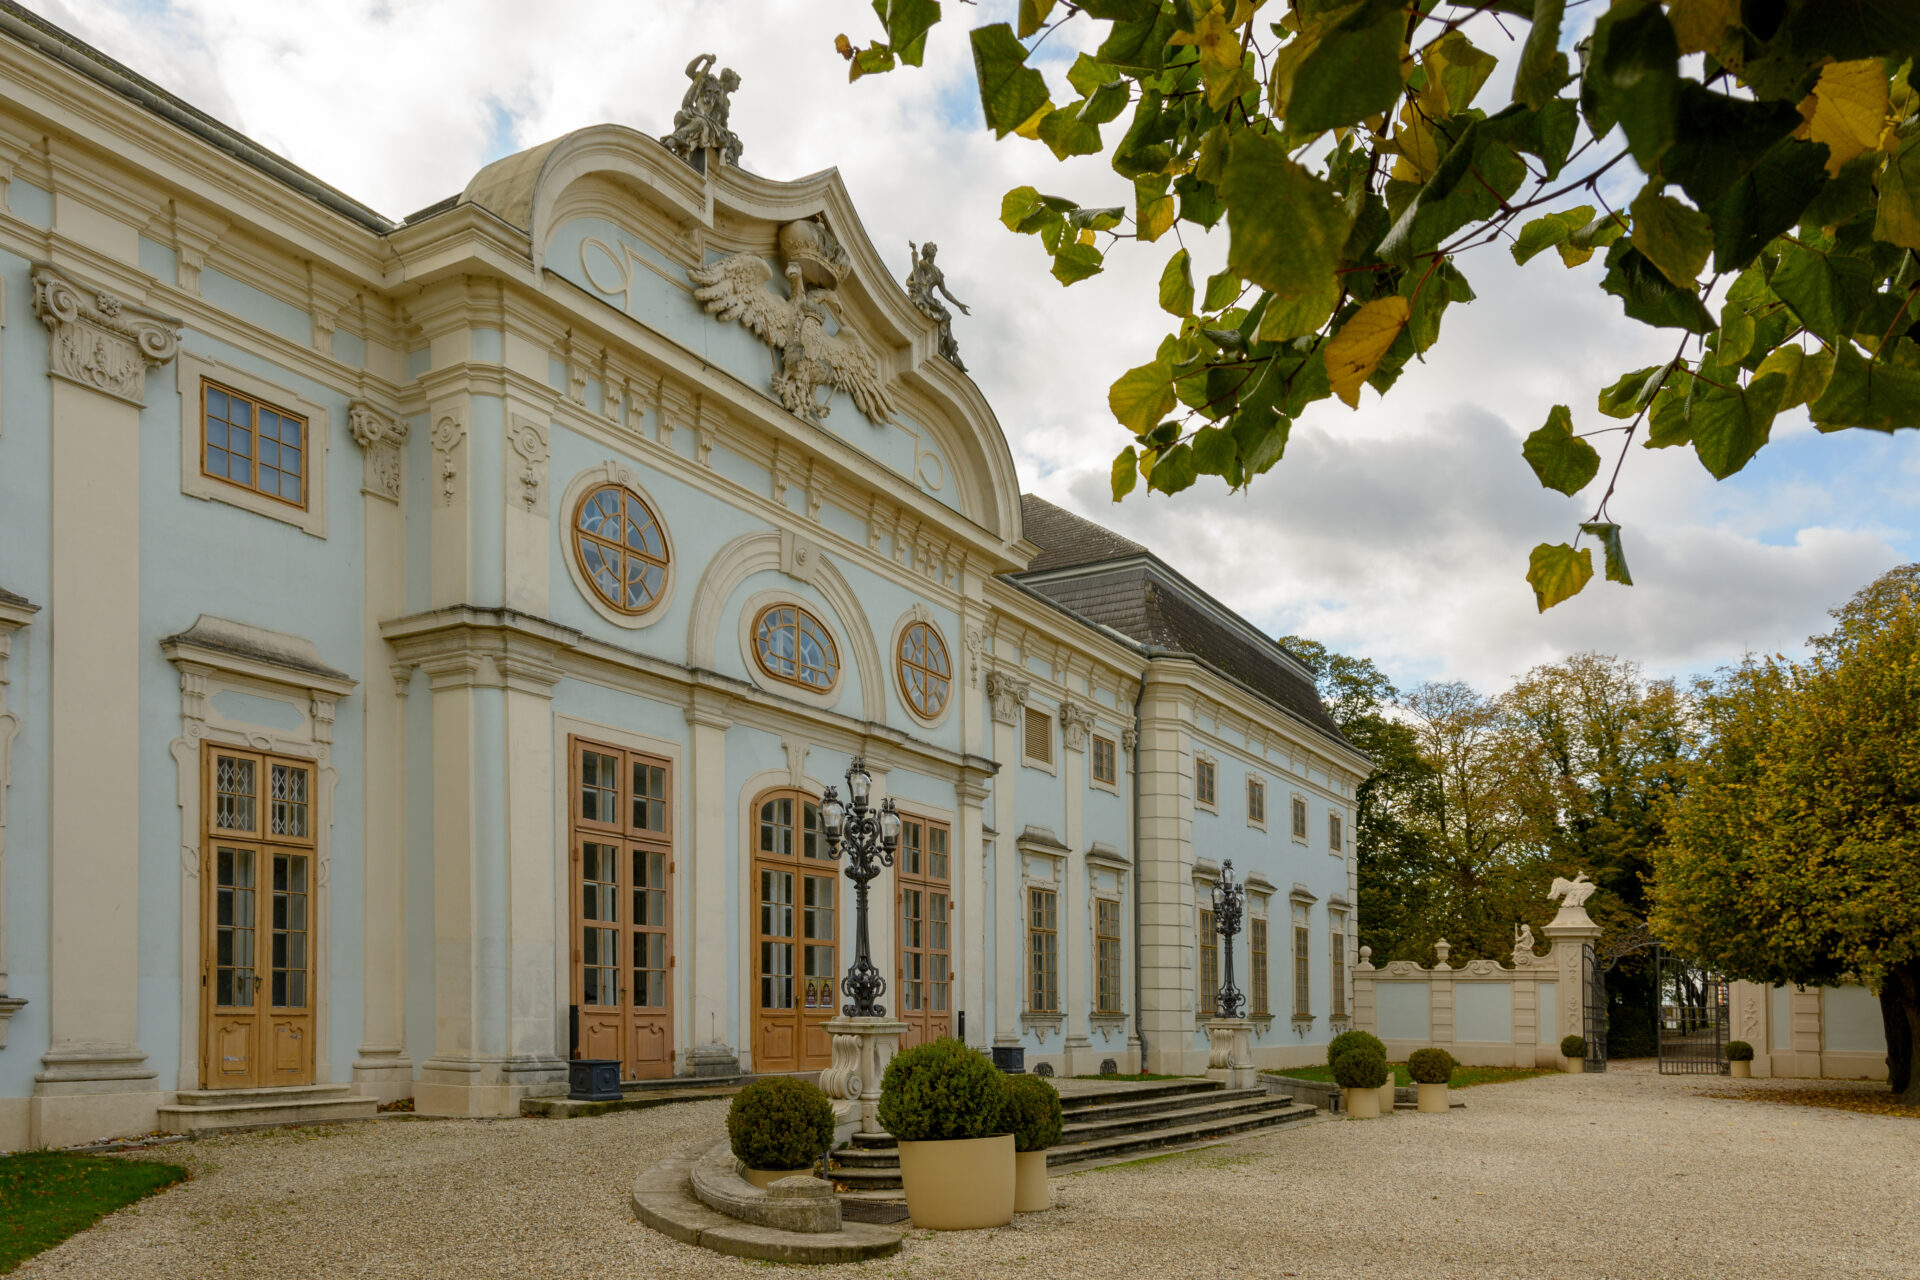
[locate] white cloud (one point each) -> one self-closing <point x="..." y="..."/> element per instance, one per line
<point x="1400" y="530"/>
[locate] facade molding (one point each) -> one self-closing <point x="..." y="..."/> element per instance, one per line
<point x="98" y="339"/>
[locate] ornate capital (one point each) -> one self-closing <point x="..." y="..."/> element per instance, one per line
<point x="1009" y="694"/>
<point x="380" y="437"/>
<point x="1075" y="722"/>
<point x="98" y="340"/>
<point x="1130" y="737"/>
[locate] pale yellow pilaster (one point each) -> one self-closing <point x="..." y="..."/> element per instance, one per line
<point x="1076" y="967"/>
<point x="1165" y="882"/>
<point x="1008" y="694"/>
<point x="709" y="865"/>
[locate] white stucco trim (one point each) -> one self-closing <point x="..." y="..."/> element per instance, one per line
<point x="613" y="472"/>
<point x="189" y="370"/>
<point x="919" y="612"/>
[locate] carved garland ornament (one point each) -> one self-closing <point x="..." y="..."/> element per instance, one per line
<point x="99" y="340"/>
<point x="448" y="434"/>
<point x="529" y="440"/>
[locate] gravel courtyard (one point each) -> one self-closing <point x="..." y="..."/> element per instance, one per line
<point x="1621" y="1175"/>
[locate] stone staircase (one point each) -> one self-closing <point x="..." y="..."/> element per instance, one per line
<point x="207" y="1110"/>
<point x="1109" y="1124"/>
<point x="638" y="1095"/>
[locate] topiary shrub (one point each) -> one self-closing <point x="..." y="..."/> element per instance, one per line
<point x="1348" y="1039"/>
<point x="1573" y="1047"/>
<point x="780" y="1123"/>
<point x="1430" y="1066"/>
<point x="942" y="1091"/>
<point x="1739" y="1051"/>
<point x="1360" y="1067"/>
<point x="1034" y="1113"/>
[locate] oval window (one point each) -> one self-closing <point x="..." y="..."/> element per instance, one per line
<point x="926" y="675"/>
<point x="621" y="549"/>
<point x="793" y="645"/>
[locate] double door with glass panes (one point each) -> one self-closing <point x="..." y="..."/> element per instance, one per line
<point x="257" y="921"/>
<point x="924" y="969"/>
<point x="622" y="903"/>
<point x="796" y="971"/>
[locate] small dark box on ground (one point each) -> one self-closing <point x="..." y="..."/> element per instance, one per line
<point x="593" y="1080"/>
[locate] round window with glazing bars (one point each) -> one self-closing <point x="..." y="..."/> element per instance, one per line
<point x="794" y="646"/>
<point x="926" y="673"/>
<point x="621" y="548"/>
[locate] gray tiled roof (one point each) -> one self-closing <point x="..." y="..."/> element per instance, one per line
<point x="1066" y="540"/>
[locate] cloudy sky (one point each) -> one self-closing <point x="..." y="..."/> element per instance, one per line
<point x="1399" y="531"/>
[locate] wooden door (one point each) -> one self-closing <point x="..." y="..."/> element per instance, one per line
<point x="797" y="940"/>
<point x="256" y="1008"/>
<point x="924" y="962"/>
<point x="622" y="903"/>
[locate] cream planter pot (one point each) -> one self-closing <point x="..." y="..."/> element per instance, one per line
<point x="764" y="1178"/>
<point x="1363" y="1104"/>
<point x="960" y="1185"/>
<point x="1433" y="1097"/>
<point x="1742" y="1070"/>
<point x="1030" y="1193"/>
<point x="1387" y="1098"/>
<point x="1575" y="1066"/>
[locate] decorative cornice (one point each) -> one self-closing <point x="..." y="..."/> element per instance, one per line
<point x="235" y="648"/>
<point x="98" y="340"/>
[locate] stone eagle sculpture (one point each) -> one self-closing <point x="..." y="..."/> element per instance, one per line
<point x="808" y="359"/>
<point x="1574" y="892"/>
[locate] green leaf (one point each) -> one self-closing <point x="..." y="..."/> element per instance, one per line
<point x="1066" y="133"/>
<point x="1667" y="421"/>
<point x="1352" y="72"/>
<point x="1010" y="90"/>
<point x="1898" y="218"/>
<point x="1649" y="296"/>
<point x="1548" y="230"/>
<point x="1633" y="79"/>
<point x="1806" y="374"/>
<point x="1881" y="394"/>
<point x="1598" y="234"/>
<point x="1766" y="201"/>
<point x="1139" y="45"/>
<point x="907" y="23"/>
<point x="1542" y="71"/>
<point x="1140" y="397"/>
<point x="1288" y="318"/>
<point x="1827" y="292"/>
<point x="1176" y="285"/>
<point x="1559" y="458"/>
<point x="1285" y="226"/>
<point x="1126" y="472"/>
<point x="1609" y="535"/>
<point x="1719" y="139"/>
<point x="1631" y="391"/>
<point x="1730" y="423"/>
<point x="1474" y="177"/>
<point x="1074" y="262"/>
<point x="1222" y="289"/>
<point x="1173" y="470"/>
<point x="1120" y="10"/>
<point x="1672" y="236"/>
<point x="1213" y="451"/>
<point x="1033" y="16"/>
<point x="1557" y="572"/>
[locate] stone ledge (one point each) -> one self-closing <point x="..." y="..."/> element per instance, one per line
<point x="801" y="1203"/>
<point x="663" y="1199"/>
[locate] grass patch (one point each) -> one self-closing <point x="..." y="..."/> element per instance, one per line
<point x="1463" y="1077"/>
<point x="1138" y="1075"/>
<point x="46" y="1196"/>
<point x="1875" y="1103"/>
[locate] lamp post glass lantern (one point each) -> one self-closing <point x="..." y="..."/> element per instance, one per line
<point x="870" y="834"/>
<point x="1228" y="899"/>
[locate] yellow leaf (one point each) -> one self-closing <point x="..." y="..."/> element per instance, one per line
<point x="1354" y="352"/>
<point x="1847" y="109"/>
<point x="1243" y="11"/>
<point x="1419" y="153"/>
<point x="1030" y="127"/>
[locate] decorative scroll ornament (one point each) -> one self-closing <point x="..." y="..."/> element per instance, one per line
<point x="381" y="438"/>
<point x="700" y="125"/>
<point x="809" y="359"/>
<point x="924" y="281"/>
<point x="1008" y="694"/>
<point x="529" y="441"/>
<point x="1075" y="721"/>
<point x="98" y="340"/>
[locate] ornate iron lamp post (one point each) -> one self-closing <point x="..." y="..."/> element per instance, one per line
<point x="1228" y="899"/>
<point x="870" y="834"/>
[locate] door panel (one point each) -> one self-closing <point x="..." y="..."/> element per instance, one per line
<point x="924" y="957"/>
<point x="797" y="939"/>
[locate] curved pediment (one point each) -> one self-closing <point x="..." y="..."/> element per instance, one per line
<point x="615" y="212"/>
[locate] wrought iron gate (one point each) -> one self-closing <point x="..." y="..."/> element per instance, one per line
<point x="1594" y="1029"/>
<point x="1691" y="1019"/>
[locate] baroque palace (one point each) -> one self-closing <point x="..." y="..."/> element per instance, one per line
<point x="424" y="646"/>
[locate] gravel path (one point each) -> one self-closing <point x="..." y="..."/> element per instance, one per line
<point x="1627" y="1175"/>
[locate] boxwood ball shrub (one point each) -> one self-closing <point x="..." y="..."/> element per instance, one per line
<point x="1739" y="1051"/>
<point x="1360" y="1067"/>
<point x="780" y="1123"/>
<point x="1035" y="1116"/>
<point x="1348" y="1039"/>
<point x="1430" y="1066"/>
<point x="1573" y="1047"/>
<point x="942" y="1091"/>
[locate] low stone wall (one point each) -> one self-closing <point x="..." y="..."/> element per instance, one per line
<point x="1324" y="1094"/>
<point x="801" y="1203"/>
<point x="1833" y="1033"/>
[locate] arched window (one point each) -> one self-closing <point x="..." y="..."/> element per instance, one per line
<point x="622" y="550"/>
<point x="926" y="673"/>
<point x="793" y="645"/>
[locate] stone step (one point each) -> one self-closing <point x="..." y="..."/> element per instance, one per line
<point x="1144" y="1101"/>
<point x="561" y="1107"/>
<point x="1122" y="1106"/>
<point x="878" y="1150"/>
<point x="208" y="1110"/>
<point x="1141" y="1092"/>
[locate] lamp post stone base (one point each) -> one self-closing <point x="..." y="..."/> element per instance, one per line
<point x="862" y="1047"/>
<point x="1231" y="1058"/>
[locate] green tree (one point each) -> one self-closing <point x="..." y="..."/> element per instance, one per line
<point x="1793" y="850"/>
<point x="1350" y="152"/>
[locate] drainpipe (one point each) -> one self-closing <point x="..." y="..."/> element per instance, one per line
<point x="1133" y="769"/>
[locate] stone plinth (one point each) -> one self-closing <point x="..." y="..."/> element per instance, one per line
<point x="862" y="1047"/>
<point x="1231" y="1057"/>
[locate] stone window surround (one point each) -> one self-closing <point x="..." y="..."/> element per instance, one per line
<point x="612" y="472"/>
<point x="1199" y="758"/>
<point x="1035" y="762"/>
<point x="751" y="609"/>
<point x="1110" y="786"/>
<point x="15" y="614"/>
<point x="1105" y="857"/>
<point x="920" y="613"/>
<point x="190" y="371"/>
<point x="1044" y="843"/>
<point x="1298" y="802"/>
<point x="1253" y="782"/>
<point x="1302" y="900"/>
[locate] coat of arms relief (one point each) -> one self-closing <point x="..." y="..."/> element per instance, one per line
<point x="810" y="363"/>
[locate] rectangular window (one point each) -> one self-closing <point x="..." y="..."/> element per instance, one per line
<point x="1209" y="966"/>
<point x="1204" y="789"/>
<point x="1039" y="737"/>
<point x="1335" y="842"/>
<point x="1106" y="955"/>
<point x="1043" y="949"/>
<point x="1302" y="967"/>
<point x="1104" y="767"/>
<point x="1337" y="1004"/>
<point x="1257" y="944"/>
<point x="253" y="444"/>
<point x="1256" y="801"/>
<point x="1299" y="818"/>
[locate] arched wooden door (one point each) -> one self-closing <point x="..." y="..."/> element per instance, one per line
<point x="622" y="900"/>
<point x="796" y="953"/>
<point x="923" y="894"/>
